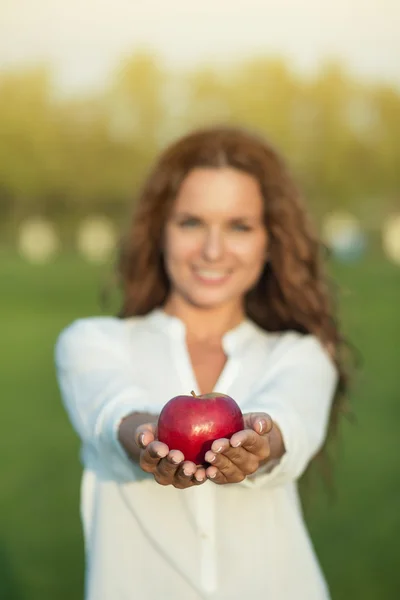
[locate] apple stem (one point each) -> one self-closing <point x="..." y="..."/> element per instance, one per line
<point x="194" y="394"/>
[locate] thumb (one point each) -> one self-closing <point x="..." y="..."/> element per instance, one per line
<point x="145" y="434"/>
<point x="261" y="423"/>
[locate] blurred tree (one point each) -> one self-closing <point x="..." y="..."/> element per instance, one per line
<point x="136" y="103"/>
<point x="64" y="158"/>
<point x="29" y="157"/>
<point x="351" y="155"/>
<point x="385" y="139"/>
<point x="327" y="138"/>
<point x="263" y="95"/>
<point x="92" y="158"/>
<point x="207" y="98"/>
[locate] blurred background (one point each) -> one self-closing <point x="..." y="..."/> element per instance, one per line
<point x="89" y="93"/>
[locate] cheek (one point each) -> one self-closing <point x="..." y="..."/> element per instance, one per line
<point x="178" y="247"/>
<point x="252" y="252"/>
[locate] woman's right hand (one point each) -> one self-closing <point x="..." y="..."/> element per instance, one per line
<point x="168" y="467"/>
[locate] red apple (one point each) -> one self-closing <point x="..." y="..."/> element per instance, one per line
<point x="191" y="423"/>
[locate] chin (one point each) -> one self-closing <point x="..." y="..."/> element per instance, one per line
<point x="208" y="301"/>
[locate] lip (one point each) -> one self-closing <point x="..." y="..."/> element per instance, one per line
<point x="211" y="280"/>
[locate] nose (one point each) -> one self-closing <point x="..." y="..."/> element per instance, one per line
<point x="213" y="246"/>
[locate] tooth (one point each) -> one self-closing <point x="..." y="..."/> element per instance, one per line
<point x="211" y="275"/>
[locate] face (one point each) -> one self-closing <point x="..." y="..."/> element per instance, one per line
<point x="215" y="239"/>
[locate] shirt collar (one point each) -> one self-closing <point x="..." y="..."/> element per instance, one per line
<point x="232" y="340"/>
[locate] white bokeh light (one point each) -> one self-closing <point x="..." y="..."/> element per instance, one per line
<point x="96" y="238"/>
<point x="391" y="239"/>
<point x="343" y="233"/>
<point x="38" y="241"/>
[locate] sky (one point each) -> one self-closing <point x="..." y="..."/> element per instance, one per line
<point x="85" y="39"/>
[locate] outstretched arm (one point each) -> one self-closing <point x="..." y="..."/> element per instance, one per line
<point x="295" y="398"/>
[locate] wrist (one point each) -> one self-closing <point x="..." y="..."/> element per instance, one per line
<point x="276" y="445"/>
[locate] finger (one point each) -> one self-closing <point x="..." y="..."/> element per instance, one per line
<point x="231" y="472"/>
<point x="167" y="467"/>
<point x="252" y="442"/>
<point x="199" y="476"/>
<point x="145" y="434"/>
<point x="247" y="439"/>
<point x="260" y="422"/>
<point x="220" y="445"/>
<point x="184" y="476"/>
<point x="246" y="462"/>
<point x="235" y="455"/>
<point x="263" y="424"/>
<point x="151" y="456"/>
<point x="215" y="475"/>
<point x="176" y="456"/>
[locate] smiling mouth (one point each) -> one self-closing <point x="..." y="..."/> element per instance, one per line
<point x="212" y="276"/>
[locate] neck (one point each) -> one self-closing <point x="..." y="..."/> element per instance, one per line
<point x="205" y="323"/>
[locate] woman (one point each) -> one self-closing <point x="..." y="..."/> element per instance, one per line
<point x="223" y="289"/>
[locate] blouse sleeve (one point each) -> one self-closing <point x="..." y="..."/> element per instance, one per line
<point x="97" y="386"/>
<point x="297" y="393"/>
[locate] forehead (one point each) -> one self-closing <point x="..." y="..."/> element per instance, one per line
<point x="222" y="190"/>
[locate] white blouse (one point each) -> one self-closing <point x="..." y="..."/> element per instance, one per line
<point x="237" y="541"/>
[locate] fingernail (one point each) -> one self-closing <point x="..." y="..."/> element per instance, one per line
<point x="219" y="449"/>
<point x="212" y="476"/>
<point x="176" y="460"/>
<point x="141" y="439"/>
<point x="211" y="457"/>
<point x="187" y="472"/>
<point x="261" y="426"/>
<point x="236" y="444"/>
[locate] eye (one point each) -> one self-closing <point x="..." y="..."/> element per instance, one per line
<point x="238" y="226"/>
<point x="190" y="222"/>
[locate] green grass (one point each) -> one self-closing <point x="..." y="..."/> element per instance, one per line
<point x="41" y="557"/>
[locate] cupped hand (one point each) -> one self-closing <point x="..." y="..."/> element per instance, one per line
<point x="168" y="467"/>
<point x="233" y="460"/>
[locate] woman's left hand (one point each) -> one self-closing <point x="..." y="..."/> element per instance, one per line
<point x="232" y="460"/>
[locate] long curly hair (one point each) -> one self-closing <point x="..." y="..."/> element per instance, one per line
<point x="292" y="293"/>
